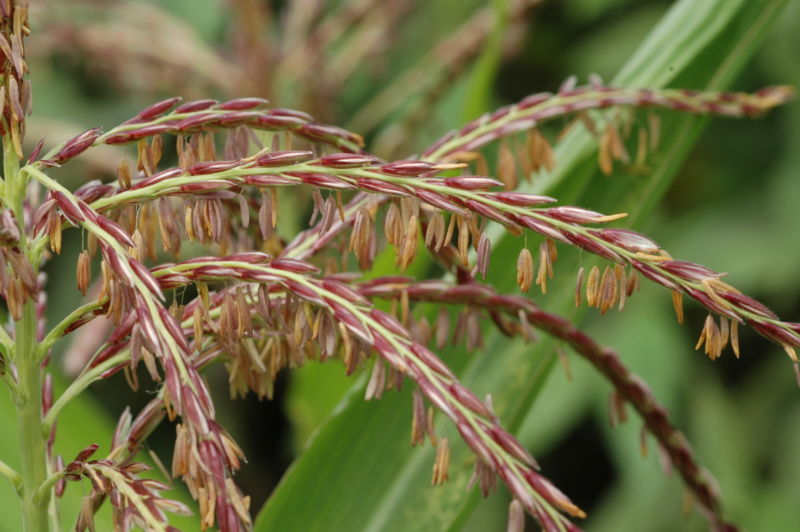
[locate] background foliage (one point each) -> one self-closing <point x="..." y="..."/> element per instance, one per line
<point x="732" y="206"/>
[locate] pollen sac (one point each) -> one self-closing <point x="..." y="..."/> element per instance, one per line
<point x="525" y="269"/>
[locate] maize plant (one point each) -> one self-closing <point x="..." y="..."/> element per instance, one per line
<point x="185" y="269"/>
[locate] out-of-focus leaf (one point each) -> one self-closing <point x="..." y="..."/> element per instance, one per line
<point x="484" y="72"/>
<point x="314" y="391"/>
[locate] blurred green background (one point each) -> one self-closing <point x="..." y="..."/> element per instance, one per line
<point x="402" y="73"/>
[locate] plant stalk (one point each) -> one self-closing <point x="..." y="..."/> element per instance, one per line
<point x="28" y="393"/>
<point x="29" y="419"/>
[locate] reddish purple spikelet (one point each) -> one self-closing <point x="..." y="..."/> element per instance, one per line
<point x="294" y="265"/>
<point x="472" y="182"/>
<point x="431" y="360"/>
<point x="438" y="200"/>
<point x="240" y="104"/>
<point x="510" y="444"/>
<point x="407" y="168"/>
<point x="325" y="132"/>
<point x="194" y="106"/>
<point x="322" y="180"/>
<point x="212" y="167"/>
<point x="292" y="113"/>
<point x="76" y="145"/>
<point x="158" y="108"/>
<point x="689" y="270"/>
<point x="487" y="211"/>
<point x="250" y="257"/>
<point x="344" y="291"/>
<point x="70" y="210"/>
<point x="146" y="131"/>
<point x="35" y="151"/>
<point x="115" y="231"/>
<point x="158" y="177"/>
<point x="195" y="121"/>
<point x="575" y="215"/>
<point x="542" y="227"/>
<point x="468" y="399"/>
<point x="595" y="247"/>
<point x="347" y="160"/>
<point x="534" y="100"/>
<point x="146" y="277"/>
<point x="273" y="121"/>
<point x="523" y="200"/>
<point x="382" y="187"/>
<point x="629" y="240"/>
<point x="649" y="272"/>
<point x="751" y="305"/>
<point x="283" y="158"/>
<point x="233" y="118"/>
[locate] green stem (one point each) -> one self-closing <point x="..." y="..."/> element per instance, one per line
<point x="11" y="474"/>
<point x="29" y="418"/>
<point x="28" y="393"/>
<point x="44" y="490"/>
<point x="80" y="384"/>
<point x="58" y="331"/>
